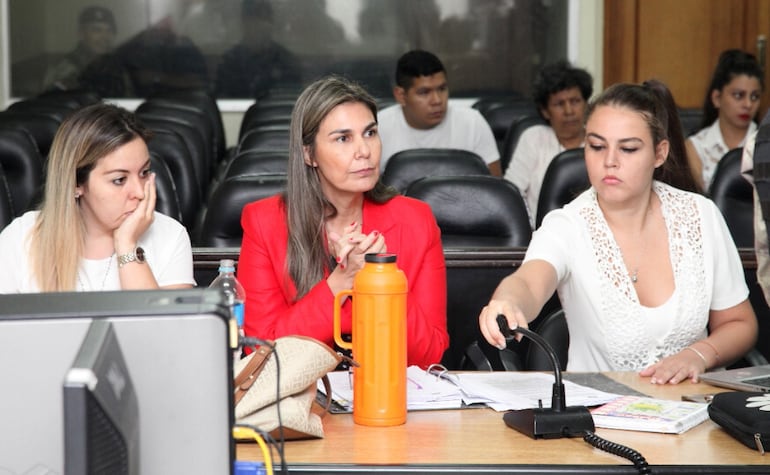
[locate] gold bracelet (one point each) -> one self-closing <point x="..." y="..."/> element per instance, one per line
<point x="699" y="354"/>
<point x="716" y="353"/>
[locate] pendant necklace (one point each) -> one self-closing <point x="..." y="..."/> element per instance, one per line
<point x="104" y="279"/>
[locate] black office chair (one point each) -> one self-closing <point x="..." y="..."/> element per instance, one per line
<point x="475" y="211"/>
<point x="734" y="196"/>
<point x="23" y="167"/>
<point x="690" y="119"/>
<point x="564" y="179"/>
<point x="6" y="207"/>
<point x="501" y="113"/>
<point x="192" y="116"/>
<point x="406" y="166"/>
<point x="266" y="113"/>
<point x="220" y="223"/>
<point x="256" y="162"/>
<point x="553" y="328"/>
<point x="196" y="145"/>
<point x="513" y="134"/>
<point x="203" y="101"/>
<point x="166" y="198"/>
<point x="274" y="137"/>
<point x="172" y="148"/>
<point x="42" y="127"/>
<point x="74" y="98"/>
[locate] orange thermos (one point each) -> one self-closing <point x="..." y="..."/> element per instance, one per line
<point x="379" y="341"/>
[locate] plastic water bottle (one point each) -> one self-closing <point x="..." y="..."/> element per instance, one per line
<point x="236" y="296"/>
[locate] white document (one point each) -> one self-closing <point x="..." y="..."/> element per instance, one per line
<point x="500" y="390"/>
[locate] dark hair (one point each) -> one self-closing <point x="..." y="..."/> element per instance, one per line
<point x="731" y="63"/>
<point x="257" y="8"/>
<point x="306" y="206"/>
<point x="654" y="102"/>
<point x="557" y="77"/>
<point x="414" y="64"/>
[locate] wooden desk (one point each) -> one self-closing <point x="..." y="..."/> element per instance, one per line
<point x="478" y="441"/>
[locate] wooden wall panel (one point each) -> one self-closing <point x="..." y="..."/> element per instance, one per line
<point x="678" y="41"/>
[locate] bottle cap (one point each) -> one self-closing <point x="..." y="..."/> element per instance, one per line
<point x="227" y="265"/>
<point x="381" y="258"/>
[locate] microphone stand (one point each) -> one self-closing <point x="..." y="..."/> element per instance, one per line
<point x="558" y="420"/>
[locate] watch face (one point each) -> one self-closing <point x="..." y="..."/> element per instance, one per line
<point x="139" y="254"/>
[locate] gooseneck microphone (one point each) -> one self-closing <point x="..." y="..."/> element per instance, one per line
<point x="547" y="423"/>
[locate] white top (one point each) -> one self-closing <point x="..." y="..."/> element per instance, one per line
<point x="463" y="128"/>
<point x="711" y="147"/>
<point x="609" y="329"/>
<point x="535" y="150"/>
<point x="166" y="246"/>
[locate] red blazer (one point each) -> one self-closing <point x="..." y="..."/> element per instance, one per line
<point x="410" y="232"/>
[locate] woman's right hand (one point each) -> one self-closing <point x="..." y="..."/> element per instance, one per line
<point x="488" y="321"/>
<point x="351" y="249"/>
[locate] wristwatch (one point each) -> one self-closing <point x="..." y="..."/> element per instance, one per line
<point x="137" y="255"/>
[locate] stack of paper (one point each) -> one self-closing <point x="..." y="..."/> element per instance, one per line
<point x="500" y="390"/>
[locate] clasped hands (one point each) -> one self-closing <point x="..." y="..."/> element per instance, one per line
<point x="350" y="248"/>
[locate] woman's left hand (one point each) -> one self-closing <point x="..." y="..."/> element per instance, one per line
<point x="132" y="228"/>
<point x="675" y="368"/>
<point x="351" y="247"/>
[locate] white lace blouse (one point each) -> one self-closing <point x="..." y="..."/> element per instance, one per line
<point x="609" y="329"/>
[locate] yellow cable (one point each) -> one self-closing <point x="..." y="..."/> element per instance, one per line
<point x="241" y="432"/>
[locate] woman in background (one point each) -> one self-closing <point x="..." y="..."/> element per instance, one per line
<point x="97" y="228"/>
<point x="729" y="113"/>
<point x="304" y="246"/>
<point x="647" y="273"/>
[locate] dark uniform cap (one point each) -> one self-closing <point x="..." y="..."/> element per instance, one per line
<point x="96" y="14"/>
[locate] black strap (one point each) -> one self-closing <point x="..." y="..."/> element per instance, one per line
<point x="761" y="170"/>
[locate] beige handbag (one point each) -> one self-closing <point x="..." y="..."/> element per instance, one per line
<point x="302" y="361"/>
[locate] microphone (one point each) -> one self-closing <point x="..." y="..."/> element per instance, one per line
<point x="547" y="423"/>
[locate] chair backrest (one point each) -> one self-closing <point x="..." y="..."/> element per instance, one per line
<point x="42" y="127"/>
<point x="690" y="119"/>
<point x="734" y="196"/>
<point x="564" y="179"/>
<point x="407" y="166"/>
<point x="172" y="148"/>
<point x="268" y="137"/>
<point x="6" y="208"/>
<point x="194" y="117"/>
<point x="513" y="134"/>
<point x="205" y="102"/>
<point x="167" y="200"/>
<point x="23" y="167"/>
<point x="475" y="211"/>
<point x="255" y="162"/>
<point x="193" y="138"/>
<point x="263" y="113"/>
<point x="220" y="223"/>
<point x="500" y="113"/>
<point x="553" y="328"/>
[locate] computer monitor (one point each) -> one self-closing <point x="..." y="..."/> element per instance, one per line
<point x="175" y="346"/>
<point x="101" y="411"/>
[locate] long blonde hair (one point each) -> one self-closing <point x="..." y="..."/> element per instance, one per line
<point x="58" y="237"/>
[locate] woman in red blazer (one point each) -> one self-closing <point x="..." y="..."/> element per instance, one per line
<point x="304" y="246"/>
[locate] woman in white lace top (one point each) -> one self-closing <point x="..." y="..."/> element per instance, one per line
<point x="647" y="274"/>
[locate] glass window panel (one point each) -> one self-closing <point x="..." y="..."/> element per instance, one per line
<point x="245" y="49"/>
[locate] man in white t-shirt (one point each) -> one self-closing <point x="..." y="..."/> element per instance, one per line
<point x="561" y="93"/>
<point x="423" y="117"/>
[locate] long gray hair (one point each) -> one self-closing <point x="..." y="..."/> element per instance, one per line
<point x="306" y="206"/>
